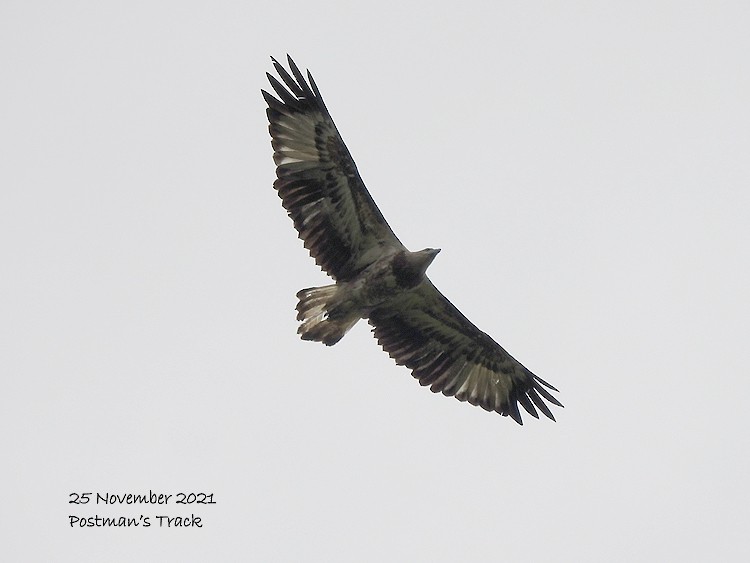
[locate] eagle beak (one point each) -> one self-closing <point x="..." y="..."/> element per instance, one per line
<point x="427" y="256"/>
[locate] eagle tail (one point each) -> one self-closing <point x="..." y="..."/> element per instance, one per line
<point x="314" y="310"/>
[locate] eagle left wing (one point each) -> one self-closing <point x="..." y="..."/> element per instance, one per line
<point x="318" y="182"/>
<point x="424" y="331"/>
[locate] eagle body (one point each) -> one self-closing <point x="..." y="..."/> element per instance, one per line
<point x="328" y="312"/>
<point x="376" y="277"/>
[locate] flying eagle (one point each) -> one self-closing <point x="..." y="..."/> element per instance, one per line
<point x="378" y="278"/>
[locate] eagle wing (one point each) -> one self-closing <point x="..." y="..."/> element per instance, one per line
<point x="318" y="181"/>
<point x="424" y="331"/>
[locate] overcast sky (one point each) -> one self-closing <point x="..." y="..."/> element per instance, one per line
<point x="584" y="169"/>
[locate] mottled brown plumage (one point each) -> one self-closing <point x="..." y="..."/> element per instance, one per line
<point x="376" y="276"/>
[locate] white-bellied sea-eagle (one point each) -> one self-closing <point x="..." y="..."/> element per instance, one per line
<point x="378" y="278"/>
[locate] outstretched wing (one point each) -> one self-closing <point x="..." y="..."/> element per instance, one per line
<point x="318" y="181"/>
<point x="424" y="331"/>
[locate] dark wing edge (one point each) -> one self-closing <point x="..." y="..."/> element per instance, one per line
<point x="317" y="179"/>
<point x="425" y="332"/>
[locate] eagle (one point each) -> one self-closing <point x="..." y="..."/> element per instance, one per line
<point x="376" y="277"/>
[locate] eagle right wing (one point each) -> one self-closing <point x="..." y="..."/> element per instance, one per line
<point x="424" y="331"/>
<point x="318" y="182"/>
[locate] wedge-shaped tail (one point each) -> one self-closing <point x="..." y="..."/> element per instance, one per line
<point x="319" y="320"/>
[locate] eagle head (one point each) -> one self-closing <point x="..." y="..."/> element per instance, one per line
<point x="409" y="267"/>
<point x="425" y="257"/>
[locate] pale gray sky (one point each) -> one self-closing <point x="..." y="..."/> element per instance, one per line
<point x="584" y="168"/>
